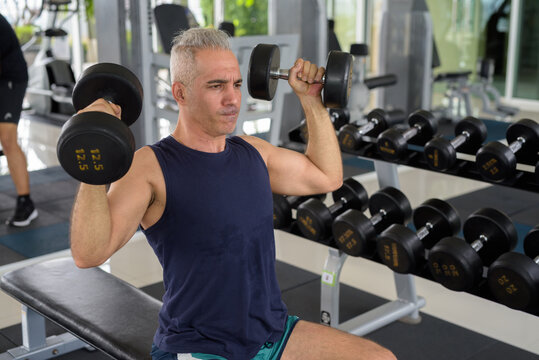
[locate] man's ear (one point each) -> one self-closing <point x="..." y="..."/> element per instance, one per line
<point x="179" y="91"/>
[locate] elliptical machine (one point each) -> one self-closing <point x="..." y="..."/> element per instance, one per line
<point x="51" y="80"/>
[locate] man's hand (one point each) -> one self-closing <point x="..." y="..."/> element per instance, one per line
<point x="303" y="78"/>
<point x="105" y="106"/>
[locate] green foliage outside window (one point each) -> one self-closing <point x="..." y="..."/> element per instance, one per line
<point x="249" y="17"/>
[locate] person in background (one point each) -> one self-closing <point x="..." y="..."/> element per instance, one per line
<point x="13" y="82"/>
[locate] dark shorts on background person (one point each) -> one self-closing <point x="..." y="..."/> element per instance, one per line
<point x="268" y="351"/>
<point x="11" y="98"/>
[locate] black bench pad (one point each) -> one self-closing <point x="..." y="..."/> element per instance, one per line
<point x="97" y="307"/>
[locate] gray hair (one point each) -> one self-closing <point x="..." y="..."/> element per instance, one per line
<point x="185" y="46"/>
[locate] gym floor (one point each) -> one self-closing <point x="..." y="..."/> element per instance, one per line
<point x="455" y="325"/>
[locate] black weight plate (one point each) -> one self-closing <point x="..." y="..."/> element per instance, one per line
<point x="353" y="232"/>
<point x="391" y="145"/>
<point x="381" y="120"/>
<point x="395" y="204"/>
<point x="339" y="117"/>
<point x="282" y="213"/>
<point x="314" y="220"/>
<point x="440" y="154"/>
<point x="497" y="227"/>
<point x="531" y="243"/>
<point x="265" y="58"/>
<point x="400" y="249"/>
<point x="95" y="148"/>
<point x="428" y="124"/>
<point x="113" y="83"/>
<point x="349" y="138"/>
<point x="338" y="79"/>
<point x="354" y="193"/>
<point x="454" y="264"/>
<point x="395" y="117"/>
<point x="441" y="215"/>
<point x="513" y="279"/>
<point x="496" y="162"/>
<point x="478" y="133"/>
<point x="529" y="130"/>
<point x="526" y="128"/>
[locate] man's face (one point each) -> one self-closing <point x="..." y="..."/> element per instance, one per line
<point x="214" y="97"/>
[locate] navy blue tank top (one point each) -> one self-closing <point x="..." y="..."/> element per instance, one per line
<point x="215" y="243"/>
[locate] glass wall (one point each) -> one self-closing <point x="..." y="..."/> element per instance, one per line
<point x="466" y="31"/>
<point x="526" y="82"/>
<point x="343" y="12"/>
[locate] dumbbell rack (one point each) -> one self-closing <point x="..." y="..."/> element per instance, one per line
<point x="405" y="307"/>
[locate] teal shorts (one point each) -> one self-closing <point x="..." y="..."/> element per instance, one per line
<point x="268" y="351"/>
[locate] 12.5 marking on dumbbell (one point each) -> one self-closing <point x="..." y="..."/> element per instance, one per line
<point x="95" y="147"/>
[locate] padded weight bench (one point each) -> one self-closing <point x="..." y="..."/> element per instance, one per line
<point x="94" y="306"/>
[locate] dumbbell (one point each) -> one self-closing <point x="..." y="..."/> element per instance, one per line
<point x="513" y="278"/>
<point x="283" y="205"/>
<point x="392" y="143"/>
<point x="95" y="147"/>
<point x="338" y="117"/>
<point x="403" y="250"/>
<point x="441" y="154"/>
<point x="378" y="120"/>
<point x="458" y="264"/>
<point x="498" y="162"/>
<point x="314" y="219"/>
<point x="264" y="72"/>
<point x="354" y="232"/>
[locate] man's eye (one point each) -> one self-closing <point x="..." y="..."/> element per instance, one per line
<point x="238" y="85"/>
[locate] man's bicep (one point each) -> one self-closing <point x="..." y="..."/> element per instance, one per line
<point x="129" y="199"/>
<point x="293" y="173"/>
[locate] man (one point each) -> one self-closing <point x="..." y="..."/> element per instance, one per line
<point x="205" y="205"/>
<point x="13" y="82"/>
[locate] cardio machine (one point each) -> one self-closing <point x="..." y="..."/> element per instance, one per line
<point x="51" y="80"/>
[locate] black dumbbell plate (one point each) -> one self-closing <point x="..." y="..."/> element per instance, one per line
<point x="114" y="83"/>
<point x="95" y="148"/>
<point x="265" y="59"/>
<point x="338" y="79"/>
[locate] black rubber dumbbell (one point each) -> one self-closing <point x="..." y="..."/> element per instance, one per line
<point x="403" y="250"/>
<point x="498" y="162"/>
<point x="513" y="278"/>
<point x="354" y="232"/>
<point x="441" y="153"/>
<point x="392" y="143"/>
<point x="95" y="147"/>
<point x="378" y="120"/>
<point x="458" y="263"/>
<point x="283" y="205"/>
<point x="339" y="118"/>
<point x="264" y="72"/>
<point x="314" y="219"/>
